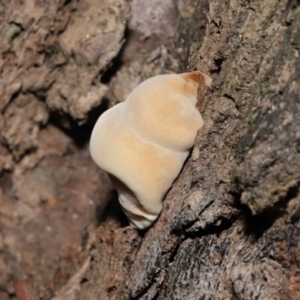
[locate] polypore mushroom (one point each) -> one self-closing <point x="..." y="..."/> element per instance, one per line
<point x="143" y="142"/>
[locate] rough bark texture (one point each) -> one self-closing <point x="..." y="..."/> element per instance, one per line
<point x="230" y="225"/>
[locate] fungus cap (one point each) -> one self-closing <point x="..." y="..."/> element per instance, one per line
<point x="143" y="142"/>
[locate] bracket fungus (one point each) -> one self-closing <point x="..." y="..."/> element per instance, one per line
<point x="143" y="142"/>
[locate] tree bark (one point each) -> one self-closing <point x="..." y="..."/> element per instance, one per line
<point x="230" y="224"/>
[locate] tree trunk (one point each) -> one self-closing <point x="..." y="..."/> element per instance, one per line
<point x="230" y="224"/>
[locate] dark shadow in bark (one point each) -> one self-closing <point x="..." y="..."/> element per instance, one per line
<point x="80" y="134"/>
<point x="113" y="210"/>
<point x="257" y="225"/>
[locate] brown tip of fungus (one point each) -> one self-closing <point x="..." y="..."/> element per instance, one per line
<point x="198" y="77"/>
<point x="195" y="76"/>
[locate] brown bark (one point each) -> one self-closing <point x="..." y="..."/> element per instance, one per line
<point x="229" y="228"/>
